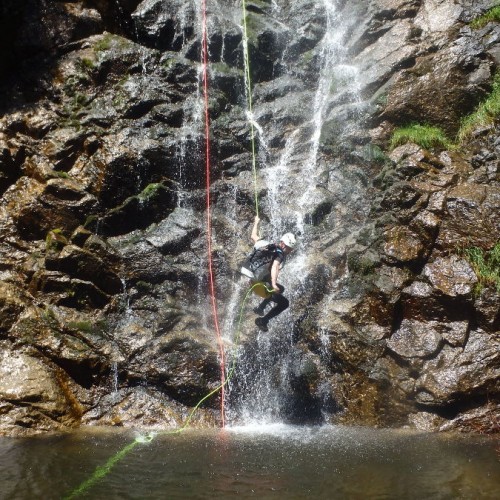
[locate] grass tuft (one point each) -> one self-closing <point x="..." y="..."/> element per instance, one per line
<point x="486" y="265"/>
<point x="425" y="136"/>
<point x="485" y="114"/>
<point x="492" y="15"/>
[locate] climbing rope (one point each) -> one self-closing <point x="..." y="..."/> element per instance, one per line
<point x="209" y="212"/>
<point x="103" y="470"/>
<point x="248" y="92"/>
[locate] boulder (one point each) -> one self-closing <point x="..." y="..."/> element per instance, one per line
<point x="415" y="339"/>
<point x="458" y="372"/>
<point x="472" y="215"/>
<point x="402" y="245"/>
<point x="34" y="398"/>
<point x="452" y="276"/>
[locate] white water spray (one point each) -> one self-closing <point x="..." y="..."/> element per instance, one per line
<point x="290" y="174"/>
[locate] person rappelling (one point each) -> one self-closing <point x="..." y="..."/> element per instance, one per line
<point x="263" y="266"/>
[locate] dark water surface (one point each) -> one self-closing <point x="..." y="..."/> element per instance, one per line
<point x="254" y="462"/>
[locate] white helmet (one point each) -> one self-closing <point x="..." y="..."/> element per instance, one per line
<point x="289" y="240"/>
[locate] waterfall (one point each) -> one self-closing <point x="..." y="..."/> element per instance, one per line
<point x="296" y="178"/>
<point x="291" y="174"/>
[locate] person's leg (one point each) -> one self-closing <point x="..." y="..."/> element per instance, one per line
<point x="281" y="302"/>
<point x="261" y="308"/>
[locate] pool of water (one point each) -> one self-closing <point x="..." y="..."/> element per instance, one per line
<point x="251" y="462"/>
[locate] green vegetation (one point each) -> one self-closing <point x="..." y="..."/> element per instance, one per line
<point x="86" y="64"/>
<point x="428" y="137"/>
<point x="60" y="174"/>
<point x="81" y="326"/>
<point x="150" y="190"/>
<point x="48" y="314"/>
<point x="375" y="153"/>
<point x="485" y="114"/>
<point x="76" y="107"/>
<point x="486" y="265"/>
<point x="424" y="135"/>
<point x="104" y="43"/>
<point x="492" y="15"/>
<point x="55" y="240"/>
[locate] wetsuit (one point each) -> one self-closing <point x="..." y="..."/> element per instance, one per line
<point x="281" y="302"/>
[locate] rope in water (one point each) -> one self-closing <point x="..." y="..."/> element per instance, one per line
<point x="103" y="470"/>
<point x="248" y="92"/>
<point x="209" y="212"/>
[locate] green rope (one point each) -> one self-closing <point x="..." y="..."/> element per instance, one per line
<point x="103" y="470"/>
<point x="248" y="89"/>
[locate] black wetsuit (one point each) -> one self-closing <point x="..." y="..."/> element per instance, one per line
<point x="281" y="302"/>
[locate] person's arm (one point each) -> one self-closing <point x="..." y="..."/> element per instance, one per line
<point x="275" y="270"/>
<point x="255" y="230"/>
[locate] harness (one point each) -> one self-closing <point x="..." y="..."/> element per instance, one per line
<point x="257" y="265"/>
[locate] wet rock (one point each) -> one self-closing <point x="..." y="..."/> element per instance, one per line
<point x="33" y="397"/>
<point x="184" y="365"/>
<point x="487" y="307"/>
<point x="10" y="170"/>
<point x="402" y="245"/>
<point x="102" y="157"/>
<point x="483" y="420"/>
<point x="425" y="421"/>
<point x="60" y="203"/>
<point x="11" y="305"/>
<point x="451" y="275"/>
<point x="373" y="317"/>
<point x="142" y="261"/>
<point x="437" y="88"/>
<point x="459" y="372"/>
<point x="163" y="26"/>
<point x="466" y="207"/>
<point x="60" y="289"/>
<point x="175" y="233"/>
<point x="390" y="280"/>
<point x="84" y="265"/>
<point x="143" y="406"/>
<point x="378" y="64"/>
<point x="136" y="212"/>
<point x="420" y="302"/>
<point x="415" y="339"/>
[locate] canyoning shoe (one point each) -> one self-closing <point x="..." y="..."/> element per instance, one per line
<point x="262" y="324"/>
<point x="258" y="311"/>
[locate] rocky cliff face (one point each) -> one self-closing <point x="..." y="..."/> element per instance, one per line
<point x="103" y="262"/>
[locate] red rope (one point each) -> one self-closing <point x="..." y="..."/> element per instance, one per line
<point x="209" y="214"/>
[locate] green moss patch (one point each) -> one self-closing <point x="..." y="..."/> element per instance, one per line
<point x="486" y="113"/>
<point x="486" y="265"/>
<point x="492" y="15"/>
<point x="425" y="136"/>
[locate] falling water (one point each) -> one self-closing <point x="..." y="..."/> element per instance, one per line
<point x="114" y="375"/>
<point x="336" y="78"/>
<point x="291" y="176"/>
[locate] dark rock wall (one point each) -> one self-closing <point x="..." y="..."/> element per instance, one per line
<point x="103" y="307"/>
<point x="435" y="348"/>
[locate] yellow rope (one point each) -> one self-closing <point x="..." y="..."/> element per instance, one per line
<point x="248" y="91"/>
<point x="103" y="470"/>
